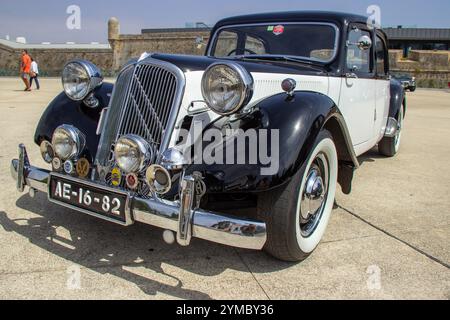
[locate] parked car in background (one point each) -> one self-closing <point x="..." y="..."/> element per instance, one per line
<point x="408" y="82"/>
<point x="318" y="81"/>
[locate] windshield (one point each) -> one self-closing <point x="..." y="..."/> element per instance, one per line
<point x="311" y="41"/>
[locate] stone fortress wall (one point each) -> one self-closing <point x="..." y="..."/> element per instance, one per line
<point x="431" y="68"/>
<point x="52" y="60"/>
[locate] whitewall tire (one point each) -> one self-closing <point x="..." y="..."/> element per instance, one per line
<point x="390" y="146"/>
<point x="297" y="215"/>
<point x="325" y="152"/>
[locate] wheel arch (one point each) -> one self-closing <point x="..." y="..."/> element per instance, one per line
<point x="63" y="110"/>
<point x="348" y="162"/>
<point x="299" y="120"/>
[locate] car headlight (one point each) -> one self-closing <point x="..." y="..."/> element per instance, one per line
<point x="227" y="87"/>
<point x="131" y="153"/>
<point x="68" y="142"/>
<point x="80" y="78"/>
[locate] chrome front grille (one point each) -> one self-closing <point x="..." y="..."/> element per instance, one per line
<point x="145" y="102"/>
<point x="149" y="104"/>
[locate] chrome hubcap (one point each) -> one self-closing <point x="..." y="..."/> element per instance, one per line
<point x="398" y="136"/>
<point x="314" y="195"/>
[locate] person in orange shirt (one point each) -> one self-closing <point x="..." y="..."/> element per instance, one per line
<point x="25" y="67"/>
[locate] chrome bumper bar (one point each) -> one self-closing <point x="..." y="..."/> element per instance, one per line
<point x="178" y="217"/>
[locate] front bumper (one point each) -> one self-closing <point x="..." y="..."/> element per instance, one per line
<point x="183" y="220"/>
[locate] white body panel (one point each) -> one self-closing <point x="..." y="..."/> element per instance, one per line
<point x="382" y="107"/>
<point x="364" y="103"/>
<point x="357" y="104"/>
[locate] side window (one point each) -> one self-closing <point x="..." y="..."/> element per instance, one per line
<point x="254" y="46"/>
<point x="358" y="60"/>
<point x="226" y="44"/>
<point x="380" y="56"/>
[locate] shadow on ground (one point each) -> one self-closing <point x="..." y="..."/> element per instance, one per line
<point x="371" y="156"/>
<point x="108" y="248"/>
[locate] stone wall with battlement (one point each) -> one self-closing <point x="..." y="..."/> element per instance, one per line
<point x="431" y="68"/>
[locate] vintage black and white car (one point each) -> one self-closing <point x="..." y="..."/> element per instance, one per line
<point x="245" y="146"/>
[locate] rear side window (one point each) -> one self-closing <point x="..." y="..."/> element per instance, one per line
<point x="358" y="60"/>
<point x="380" y="56"/>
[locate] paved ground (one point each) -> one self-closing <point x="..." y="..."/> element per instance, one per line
<point x="395" y="227"/>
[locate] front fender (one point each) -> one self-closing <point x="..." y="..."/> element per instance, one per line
<point x="298" y="120"/>
<point x="63" y="110"/>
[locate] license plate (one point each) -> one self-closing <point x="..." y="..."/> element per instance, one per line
<point x="101" y="202"/>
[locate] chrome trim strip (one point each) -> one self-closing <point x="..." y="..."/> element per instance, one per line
<point x="336" y="43"/>
<point x="101" y="121"/>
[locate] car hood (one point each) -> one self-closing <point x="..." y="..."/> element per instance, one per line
<point x="267" y="76"/>
<point x="200" y="63"/>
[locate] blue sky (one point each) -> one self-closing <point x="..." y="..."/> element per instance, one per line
<point x="45" y="20"/>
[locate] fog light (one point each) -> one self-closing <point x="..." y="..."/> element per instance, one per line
<point x="131" y="153"/>
<point x="47" y="151"/>
<point x="68" y="142"/>
<point x="159" y="179"/>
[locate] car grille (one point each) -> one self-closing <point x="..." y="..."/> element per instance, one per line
<point x="145" y="102"/>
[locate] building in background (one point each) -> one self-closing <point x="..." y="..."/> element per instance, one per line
<point x="407" y="39"/>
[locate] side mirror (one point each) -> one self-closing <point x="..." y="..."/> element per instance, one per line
<point x="200" y="42"/>
<point x="364" y="43"/>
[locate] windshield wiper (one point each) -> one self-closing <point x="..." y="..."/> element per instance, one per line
<point x="282" y="58"/>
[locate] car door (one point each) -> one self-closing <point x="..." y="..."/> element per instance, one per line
<point x="383" y="86"/>
<point x="358" y="94"/>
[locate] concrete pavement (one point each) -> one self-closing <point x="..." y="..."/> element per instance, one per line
<point x="389" y="239"/>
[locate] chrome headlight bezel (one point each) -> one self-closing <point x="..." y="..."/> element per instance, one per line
<point x="70" y="138"/>
<point x="79" y="86"/>
<point x="244" y="82"/>
<point x="131" y="153"/>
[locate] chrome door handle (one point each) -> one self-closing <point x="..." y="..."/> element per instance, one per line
<point x="351" y="75"/>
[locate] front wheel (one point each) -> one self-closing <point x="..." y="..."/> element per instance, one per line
<point x="298" y="214"/>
